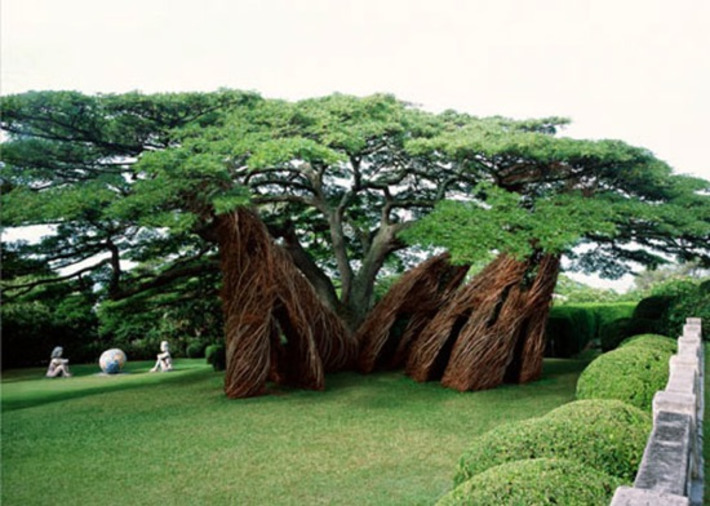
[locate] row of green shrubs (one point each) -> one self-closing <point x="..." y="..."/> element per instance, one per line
<point x="662" y="313"/>
<point x="579" y="453"/>
<point x="632" y="373"/>
<point x="576" y="454"/>
<point x="573" y="327"/>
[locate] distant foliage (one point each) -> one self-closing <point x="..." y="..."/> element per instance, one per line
<point x="32" y="326"/>
<point x="664" y="311"/>
<point x="535" y="482"/>
<point x="569" y="291"/>
<point x="693" y="302"/>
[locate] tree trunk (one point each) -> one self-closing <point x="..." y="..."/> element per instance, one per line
<point x="358" y="300"/>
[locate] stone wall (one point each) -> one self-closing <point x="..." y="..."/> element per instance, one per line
<point x="671" y="471"/>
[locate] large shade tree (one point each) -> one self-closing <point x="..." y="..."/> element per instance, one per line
<point x="161" y="179"/>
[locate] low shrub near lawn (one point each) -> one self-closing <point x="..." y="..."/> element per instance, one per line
<point x="607" y="435"/>
<point x="572" y="327"/>
<point x="613" y="333"/>
<point x="632" y="374"/>
<point x="215" y="354"/>
<point x="535" y="482"/>
<point x="653" y="341"/>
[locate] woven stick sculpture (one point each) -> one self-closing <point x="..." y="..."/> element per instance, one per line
<point x="316" y="337"/>
<point x="484" y="346"/>
<point x="532" y="347"/>
<point x="414" y="299"/>
<point x="276" y="327"/>
<point x="247" y="300"/>
<point x="448" y="285"/>
<point x="335" y="344"/>
<point x="298" y="362"/>
<point x="430" y="350"/>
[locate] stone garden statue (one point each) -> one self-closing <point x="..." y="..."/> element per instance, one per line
<point x="165" y="361"/>
<point x="58" y="366"/>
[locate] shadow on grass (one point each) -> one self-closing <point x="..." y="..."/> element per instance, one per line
<point x="390" y="389"/>
<point x="557" y="366"/>
<point x="26" y="388"/>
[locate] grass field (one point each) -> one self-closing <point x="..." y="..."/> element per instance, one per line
<point x="174" y="438"/>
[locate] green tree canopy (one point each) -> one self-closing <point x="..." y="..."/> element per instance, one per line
<point x="337" y="179"/>
<point x="552" y="193"/>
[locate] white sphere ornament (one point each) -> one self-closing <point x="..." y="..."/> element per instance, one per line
<point x="112" y="361"/>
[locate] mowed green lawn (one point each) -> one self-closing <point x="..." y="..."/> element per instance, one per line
<point x="171" y="439"/>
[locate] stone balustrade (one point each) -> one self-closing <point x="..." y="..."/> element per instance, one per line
<point x="671" y="471"/>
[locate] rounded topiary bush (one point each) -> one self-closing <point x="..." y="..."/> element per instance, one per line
<point x="607" y="435"/>
<point x="196" y="349"/>
<point x="535" y="482"/>
<point x="653" y="308"/>
<point x="631" y="374"/>
<point x="215" y="354"/>
<point x="653" y="341"/>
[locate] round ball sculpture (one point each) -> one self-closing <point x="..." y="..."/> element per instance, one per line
<point x="112" y="361"/>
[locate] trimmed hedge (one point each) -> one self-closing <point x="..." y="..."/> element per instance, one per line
<point x="535" y="482"/>
<point x="196" y="349"/>
<point x="653" y="341"/>
<point x="632" y="374"/>
<point x="607" y="435"/>
<point x="216" y="356"/>
<point x="653" y="308"/>
<point x="615" y="332"/>
<point x="570" y="328"/>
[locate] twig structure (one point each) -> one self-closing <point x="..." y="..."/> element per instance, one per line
<point x="276" y="327"/>
<point x="473" y="337"/>
<point x="492" y="330"/>
<point x="385" y="336"/>
<point x="247" y="299"/>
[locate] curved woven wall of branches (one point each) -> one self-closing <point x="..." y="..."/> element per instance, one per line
<point x="492" y="329"/>
<point x="276" y="327"/>
<point x="247" y="298"/>
<point x="487" y="345"/>
<point x="475" y="337"/>
<point x="412" y="301"/>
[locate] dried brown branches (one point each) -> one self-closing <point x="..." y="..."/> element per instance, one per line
<point x="247" y="299"/>
<point x="411" y="303"/>
<point x="275" y="324"/>
<point x="491" y="331"/>
<point x="472" y="338"/>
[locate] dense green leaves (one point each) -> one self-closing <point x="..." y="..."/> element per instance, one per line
<point x="507" y="222"/>
<point x="340" y="181"/>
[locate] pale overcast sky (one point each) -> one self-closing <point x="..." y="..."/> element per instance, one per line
<point x="636" y="70"/>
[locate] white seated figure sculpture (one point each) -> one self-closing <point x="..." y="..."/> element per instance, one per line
<point x="58" y="366"/>
<point x="165" y="361"/>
